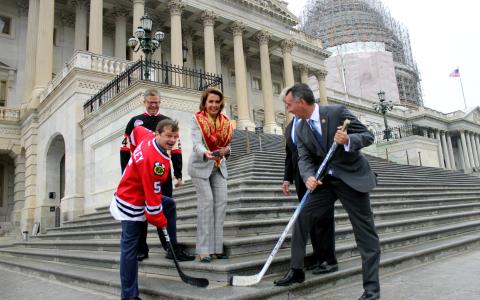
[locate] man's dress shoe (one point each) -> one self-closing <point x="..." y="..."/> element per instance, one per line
<point x="368" y="295"/>
<point x="293" y="276"/>
<point x="324" y="268"/>
<point x="142" y="256"/>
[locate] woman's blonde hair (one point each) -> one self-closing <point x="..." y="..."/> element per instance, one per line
<point x="207" y="92"/>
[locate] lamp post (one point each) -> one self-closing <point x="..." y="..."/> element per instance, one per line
<point x="143" y="40"/>
<point x="383" y="107"/>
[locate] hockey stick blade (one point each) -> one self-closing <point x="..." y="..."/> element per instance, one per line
<point x="198" y="282"/>
<point x="245" y="280"/>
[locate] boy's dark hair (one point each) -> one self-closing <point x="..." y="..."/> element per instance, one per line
<point x="167" y="123"/>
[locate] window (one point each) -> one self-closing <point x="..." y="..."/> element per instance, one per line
<point x="5" y="25"/>
<point x="277" y="88"/>
<point x="256" y="83"/>
<point x="3" y="92"/>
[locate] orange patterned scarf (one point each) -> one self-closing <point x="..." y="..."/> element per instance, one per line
<point x="216" y="133"/>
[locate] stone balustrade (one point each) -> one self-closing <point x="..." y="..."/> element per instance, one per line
<point x="9" y="114"/>
<point x="87" y="61"/>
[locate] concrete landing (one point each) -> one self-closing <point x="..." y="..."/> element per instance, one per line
<point x="20" y="286"/>
<point x="455" y="277"/>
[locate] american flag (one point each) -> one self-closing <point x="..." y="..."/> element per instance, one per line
<point x="455" y="73"/>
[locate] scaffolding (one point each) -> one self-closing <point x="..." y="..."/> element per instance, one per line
<point x="342" y="22"/>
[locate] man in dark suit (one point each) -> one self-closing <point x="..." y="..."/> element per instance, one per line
<point x="348" y="177"/>
<point x="322" y="234"/>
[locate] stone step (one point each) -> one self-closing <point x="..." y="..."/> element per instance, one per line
<point x="239" y="265"/>
<point x="377" y="202"/>
<point x="260" y="228"/>
<point x="265" y="213"/>
<point x="160" y="287"/>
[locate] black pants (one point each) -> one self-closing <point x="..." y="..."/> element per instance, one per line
<point x="322" y="233"/>
<point x="357" y="205"/>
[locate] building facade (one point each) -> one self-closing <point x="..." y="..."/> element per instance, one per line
<point x="69" y="85"/>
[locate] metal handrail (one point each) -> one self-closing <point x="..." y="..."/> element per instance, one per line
<point x="154" y="71"/>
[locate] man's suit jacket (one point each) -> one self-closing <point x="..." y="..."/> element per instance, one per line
<point x="291" y="157"/>
<point x="351" y="167"/>
<point x="198" y="165"/>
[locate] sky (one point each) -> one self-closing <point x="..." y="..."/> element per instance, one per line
<point x="444" y="35"/>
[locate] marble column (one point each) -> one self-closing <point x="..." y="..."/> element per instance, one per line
<point x="189" y="44"/>
<point x="450" y="151"/>
<point x="218" y="55"/>
<point x="95" y="38"/>
<point x="474" y="149"/>
<point x="31" y="51"/>
<point x="466" y="160"/>
<point x="322" y="89"/>
<point x="270" y="125"/>
<point x="44" y="53"/>
<point x="208" y="18"/>
<point x="81" y="24"/>
<point x="445" y="150"/>
<point x="469" y="149"/>
<point x="243" y="110"/>
<point x="441" y="161"/>
<point x="176" y="8"/>
<point x="18" y="190"/>
<point x="120" y="33"/>
<point x="287" y="48"/>
<point x="303" y="73"/>
<point x="138" y="12"/>
<point x="477" y="142"/>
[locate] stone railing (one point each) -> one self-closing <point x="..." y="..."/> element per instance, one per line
<point x="9" y="114"/>
<point x="87" y="61"/>
<point x="302" y="36"/>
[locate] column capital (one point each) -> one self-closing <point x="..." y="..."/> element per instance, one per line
<point x="208" y="17"/>
<point x="302" y="68"/>
<point x="67" y="19"/>
<point x="142" y="2"/>
<point x="287" y="46"/>
<point x="176" y="7"/>
<point x="80" y="3"/>
<point x="263" y="37"/>
<point x="238" y="28"/>
<point x="219" y="41"/>
<point x="321" y="74"/>
<point x="120" y="12"/>
<point x="23" y="7"/>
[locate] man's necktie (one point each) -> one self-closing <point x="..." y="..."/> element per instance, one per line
<point x="317" y="134"/>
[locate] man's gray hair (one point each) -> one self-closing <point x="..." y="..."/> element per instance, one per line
<point x="283" y="93"/>
<point x="150" y="92"/>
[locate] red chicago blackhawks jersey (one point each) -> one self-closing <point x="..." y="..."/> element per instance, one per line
<point x="139" y="194"/>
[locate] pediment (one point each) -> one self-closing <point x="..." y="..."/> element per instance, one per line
<point x="473" y="115"/>
<point x="274" y="8"/>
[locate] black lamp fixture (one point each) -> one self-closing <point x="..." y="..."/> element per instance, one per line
<point x="383" y="107"/>
<point x="143" y="40"/>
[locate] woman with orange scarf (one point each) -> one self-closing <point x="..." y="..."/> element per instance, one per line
<point x="211" y="136"/>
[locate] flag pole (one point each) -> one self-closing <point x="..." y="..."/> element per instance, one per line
<point x="463" y="94"/>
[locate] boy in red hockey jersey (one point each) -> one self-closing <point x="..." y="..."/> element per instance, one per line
<point x="139" y="196"/>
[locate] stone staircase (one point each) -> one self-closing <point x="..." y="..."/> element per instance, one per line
<point x="421" y="214"/>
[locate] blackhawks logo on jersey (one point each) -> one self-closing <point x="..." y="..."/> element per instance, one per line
<point x="158" y="169"/>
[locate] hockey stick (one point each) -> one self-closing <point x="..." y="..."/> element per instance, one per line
<point x="254" y="279"/>
<point x="198" y="282"/>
